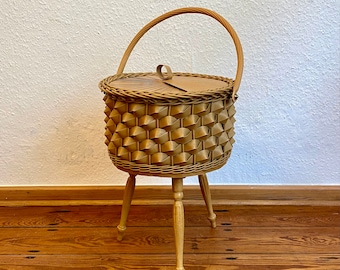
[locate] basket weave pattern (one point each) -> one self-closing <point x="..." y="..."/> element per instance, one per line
<point x="148" y="138"/>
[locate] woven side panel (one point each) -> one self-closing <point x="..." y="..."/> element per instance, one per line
<point x="169" y="135"/>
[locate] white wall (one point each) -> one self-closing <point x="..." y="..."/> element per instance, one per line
<point x="54" y="53"/>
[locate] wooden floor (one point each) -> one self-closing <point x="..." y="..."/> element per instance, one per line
<point x="247" y="237"/>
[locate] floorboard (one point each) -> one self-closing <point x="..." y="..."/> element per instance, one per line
<point x="159" y="216"/>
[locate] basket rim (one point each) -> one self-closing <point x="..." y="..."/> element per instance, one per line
<point x="169" y="171"/>
<point x="168" y="97"/>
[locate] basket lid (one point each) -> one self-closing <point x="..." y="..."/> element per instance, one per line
<point x="166" y="87"/>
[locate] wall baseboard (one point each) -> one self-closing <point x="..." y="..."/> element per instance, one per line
<point x="148" y="195"/>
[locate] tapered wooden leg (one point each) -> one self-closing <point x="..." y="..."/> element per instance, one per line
<point x="128" y="193"/>
<point x="178" y="216"/>
<point x="204" y="184"/>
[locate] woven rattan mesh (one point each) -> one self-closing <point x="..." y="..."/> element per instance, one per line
<point x="158" y="139"/>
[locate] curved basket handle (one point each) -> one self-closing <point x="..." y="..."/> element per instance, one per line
<point x="179" y="11"/>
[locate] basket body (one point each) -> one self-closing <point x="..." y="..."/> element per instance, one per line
<point x="167" y="137"/>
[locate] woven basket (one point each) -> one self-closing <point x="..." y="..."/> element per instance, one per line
<point x="170" y="124"/>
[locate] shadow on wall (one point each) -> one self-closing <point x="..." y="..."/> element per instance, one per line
<point x="70" y="148"/>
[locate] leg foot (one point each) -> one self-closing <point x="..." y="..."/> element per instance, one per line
<point x="128" y="193"/>
<point x="178" y="216"/>
<point x="207" y="198"/>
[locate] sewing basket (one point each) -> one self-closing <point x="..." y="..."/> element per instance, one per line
<point x="170" y="124"/>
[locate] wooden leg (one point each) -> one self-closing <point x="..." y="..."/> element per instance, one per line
<point x="207" y="198"/>
<point x="128" y="193"/>
<point x="178" y="216"/>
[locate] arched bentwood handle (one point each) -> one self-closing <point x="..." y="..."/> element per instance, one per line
<point x="179" y="11"/>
